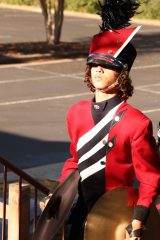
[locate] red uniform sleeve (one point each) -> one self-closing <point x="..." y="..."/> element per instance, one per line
<point x="71" y="163"/>
<point x="146" y="163"/>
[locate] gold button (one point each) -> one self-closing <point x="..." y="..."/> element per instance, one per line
<point x="110" y="51"/>
<point x="110" y="144"/>
<point x="117" y="118"/>
<point x="119" y="41"/>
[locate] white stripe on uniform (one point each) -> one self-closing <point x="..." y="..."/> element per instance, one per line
<point x="93" y="150"/>
<point x="92" y="133"/>
<point x="92" y="169"/>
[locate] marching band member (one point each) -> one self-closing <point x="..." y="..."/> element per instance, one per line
<point x="112" y="142"/>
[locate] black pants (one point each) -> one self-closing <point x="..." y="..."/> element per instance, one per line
<point x="74" y="226"/>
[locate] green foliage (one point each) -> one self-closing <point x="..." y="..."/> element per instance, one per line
<point x="90" y="6"/>
<point x="21" y="2"/>
<point x="149" y="8"/>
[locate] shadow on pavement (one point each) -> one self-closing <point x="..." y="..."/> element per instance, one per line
<point x="36" y="51"/>
<point x="147" y="43"/>
<point x="25" y="152"/>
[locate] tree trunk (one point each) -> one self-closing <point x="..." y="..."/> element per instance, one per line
<point x="58" y="19"/>
<point x="48" y="20"/>
<point x="53" y="28"/>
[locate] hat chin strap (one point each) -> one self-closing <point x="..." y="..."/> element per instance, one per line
<point x="109" y="88"/>
<point x="113" y="85"/>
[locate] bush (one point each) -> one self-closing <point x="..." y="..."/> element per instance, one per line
<point x="21" y="2"/>
<point x="90" y="6"/>
<point x="150" y="9"/>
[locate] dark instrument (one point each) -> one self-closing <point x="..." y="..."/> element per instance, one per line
<point x="57" y="208"/>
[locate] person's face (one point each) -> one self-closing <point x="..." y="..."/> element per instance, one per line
<point x="102" y="77"/>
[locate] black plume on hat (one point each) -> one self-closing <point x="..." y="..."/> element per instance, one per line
<point x="112" y="45"/>
<point x="116" y="14"/>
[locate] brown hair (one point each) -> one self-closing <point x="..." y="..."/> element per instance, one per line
<point x="125" y="87"/>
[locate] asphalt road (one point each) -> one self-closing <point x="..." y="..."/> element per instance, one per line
<point x="24" y="26"/>
<point x="34" y="98"/>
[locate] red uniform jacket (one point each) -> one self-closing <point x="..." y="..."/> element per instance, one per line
<point x="134" y="154"/>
